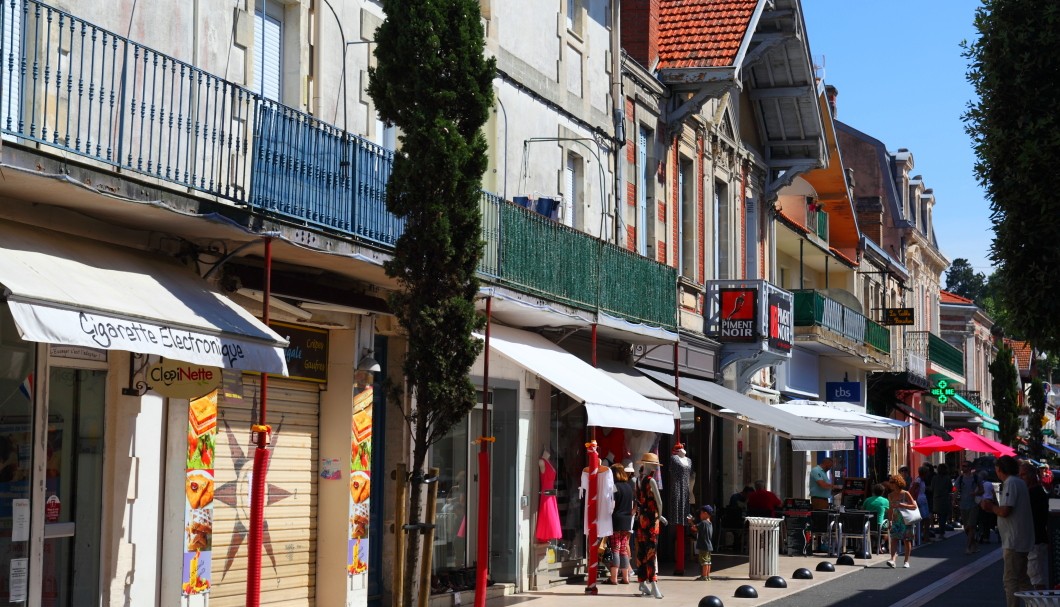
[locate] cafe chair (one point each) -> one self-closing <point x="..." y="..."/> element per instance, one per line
<point x="880" y="535"/>
<point x="822" y="528"/>
<point x="855" y="525"/>
<point x="732" y="521"/>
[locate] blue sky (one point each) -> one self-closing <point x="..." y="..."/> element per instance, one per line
<point x="901" y="78"/>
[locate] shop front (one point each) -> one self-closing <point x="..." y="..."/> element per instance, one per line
<point x="85" y="328"/>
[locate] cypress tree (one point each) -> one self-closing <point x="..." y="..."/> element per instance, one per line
<point x="1005" y="394"/>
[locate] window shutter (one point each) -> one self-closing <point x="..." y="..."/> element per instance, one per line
<point x="268" y="47"/>
<point x="569" y="192"/>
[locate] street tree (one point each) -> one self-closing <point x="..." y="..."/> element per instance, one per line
<point x="1015" y="132"/>
<point x="1005" y="394"/>
<point x="433" y="81"/>
<point x="963" y="280"/>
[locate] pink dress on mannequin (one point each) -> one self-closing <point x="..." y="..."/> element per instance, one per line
<point x="548" y="527"/>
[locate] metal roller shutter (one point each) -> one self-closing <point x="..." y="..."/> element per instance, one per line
<point x="289" y="545"/>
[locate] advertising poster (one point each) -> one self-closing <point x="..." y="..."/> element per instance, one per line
<point x="360" y="487"/>
<point x="199" y="494"/>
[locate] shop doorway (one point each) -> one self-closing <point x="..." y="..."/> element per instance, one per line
<point x="73" y="487"/>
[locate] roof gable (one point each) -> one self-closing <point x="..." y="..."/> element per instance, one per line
<point x="952" y="298"/>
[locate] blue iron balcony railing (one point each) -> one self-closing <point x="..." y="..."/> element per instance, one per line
<point x="81" y="89"/>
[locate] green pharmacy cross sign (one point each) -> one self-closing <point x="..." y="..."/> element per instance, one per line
<point x="942" y="392"/>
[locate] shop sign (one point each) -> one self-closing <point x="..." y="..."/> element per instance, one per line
<point x="307" y="356"/>
<point x="780" y="322"/>
<point x="52" y="507"/>
<point x="843" y="391"/>
<point x="898" y="316"/>
<point x="177" y="379"/>
<point x="77" y="353"/>
<point x="942" y="392"/>
<point x="739" y="314"/>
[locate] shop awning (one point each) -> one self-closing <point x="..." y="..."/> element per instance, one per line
<point x="1051" y="448"/>
<point x="608" y="403"/>
<point x="72" y="291"/>
<point x="641" y="384"/>
<point x="855" y="422"/>
<point x="987" y="422"/>
<point x="805" y="435"/>
<point x="917" y="416"/>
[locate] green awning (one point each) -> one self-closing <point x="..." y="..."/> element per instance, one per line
<point x="967" y="405"/>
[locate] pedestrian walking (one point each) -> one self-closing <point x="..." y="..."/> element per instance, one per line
<point x="1015" y="523"/>
<point x="901" y="529"/>
<point x="968" y="488"/>
<point x="987" y="519"/>
<point x="941" y="499"/>
<point x="919" y="492"/>
<point x="1037" y="560"/>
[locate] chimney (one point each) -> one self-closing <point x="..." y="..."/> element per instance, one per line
<point x="870" y="218"/>
<point x="640" y="30"/>
<point x="831" y="93"/>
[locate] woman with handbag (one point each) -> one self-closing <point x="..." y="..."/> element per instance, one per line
<point x="904" y="515"/>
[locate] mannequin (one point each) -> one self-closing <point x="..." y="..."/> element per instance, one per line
<point x="605" y="484"/>
<point x="548" y="526"/>
<point x="597" y="488"/>
<point x="646" y="527"/>
<point x="677" y="506"/>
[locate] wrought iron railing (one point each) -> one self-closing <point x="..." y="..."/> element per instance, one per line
<point x="539" y="256"/>
<point x="84" y="90"/>
<point x="936" y="350"/>
<point x="813" y="308"/>
<point x="817" y="222"/>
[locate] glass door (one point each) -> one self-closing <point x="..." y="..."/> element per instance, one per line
<point x="73" y="488"/>
<point x="16" y="460"/>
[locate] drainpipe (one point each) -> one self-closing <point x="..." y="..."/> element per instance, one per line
<point x="262" y="433"/>
<point x="679" y="549"/>
<point x="482" y="566"/>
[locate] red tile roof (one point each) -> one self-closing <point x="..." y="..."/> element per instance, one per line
<point x="1021" y="350"/>
<point x="702" y="33"/>
<point x="952" y="298"/>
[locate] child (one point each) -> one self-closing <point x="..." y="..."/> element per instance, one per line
<point x="704" y="530"/>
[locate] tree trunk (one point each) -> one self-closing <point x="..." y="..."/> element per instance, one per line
<point x="415" y="543"/>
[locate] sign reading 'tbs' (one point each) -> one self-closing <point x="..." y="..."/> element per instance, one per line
<point x="843" y="391"/>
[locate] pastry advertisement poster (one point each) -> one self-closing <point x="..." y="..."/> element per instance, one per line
<point x="360" y="488"/>
<point x="199" y="494"/>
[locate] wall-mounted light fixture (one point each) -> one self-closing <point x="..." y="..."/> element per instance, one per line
<point x="368" y="362"/>
<point x="531" y="382"/>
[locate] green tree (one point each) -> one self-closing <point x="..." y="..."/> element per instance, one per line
<point x="994" y="305"/>
<point x="963" y="280"/>
<point x="1016" y="135"/>
<point x="434" y="82"/>
<point x="1005" y="394"/>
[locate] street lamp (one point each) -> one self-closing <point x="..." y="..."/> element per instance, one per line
<point x="345" y="45"/>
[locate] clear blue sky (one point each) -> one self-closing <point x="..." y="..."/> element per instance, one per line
<point x="901" y="78"/>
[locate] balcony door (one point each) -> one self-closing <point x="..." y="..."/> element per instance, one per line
<point x="10" y="78"/>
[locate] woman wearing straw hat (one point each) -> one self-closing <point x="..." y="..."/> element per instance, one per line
<point x="649" y="506"/>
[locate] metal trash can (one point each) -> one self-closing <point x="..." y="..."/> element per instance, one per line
<point x="1039" y="598"/>
<point x="763" y="546"/>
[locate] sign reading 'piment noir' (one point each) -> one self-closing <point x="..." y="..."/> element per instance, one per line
<point x="738" y="314"/>
<point x="779" y="322"/>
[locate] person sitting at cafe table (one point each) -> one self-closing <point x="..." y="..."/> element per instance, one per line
<point x="821" y="486"/>
<point x="762" y="501"/>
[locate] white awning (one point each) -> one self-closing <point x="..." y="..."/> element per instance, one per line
<point x="805" y="435"/>
<point x="72" y="291"/>
<point x="855" y="422"/>
<point x="608" y="403"/>
<point x="641" y="384"/>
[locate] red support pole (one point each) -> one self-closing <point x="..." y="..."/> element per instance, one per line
<point x="592" y="554"/>
<point x="482" y="562"/>
<point x="261" y="461"/>
<point x="679" y="548"/>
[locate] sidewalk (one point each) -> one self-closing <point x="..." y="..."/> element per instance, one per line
<point x="728" y="573"/>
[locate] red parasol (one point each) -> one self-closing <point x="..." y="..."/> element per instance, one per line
<point x="962" y="440"/>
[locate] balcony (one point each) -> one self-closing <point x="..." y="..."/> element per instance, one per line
<point x="836" y="326"/>
<point x="83" y="92"/>
<point x="942" y="356"/>
<point x="817" y="223"/>
<point x="536" y="255"/>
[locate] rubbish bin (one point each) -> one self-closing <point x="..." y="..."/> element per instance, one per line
<point x="763" y="546"/>
<point x="1039" y="598"/>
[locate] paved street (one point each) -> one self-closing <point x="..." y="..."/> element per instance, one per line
<point x="940" y="574"/>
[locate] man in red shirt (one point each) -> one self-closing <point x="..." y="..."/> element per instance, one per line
<point x="762" y="501"/>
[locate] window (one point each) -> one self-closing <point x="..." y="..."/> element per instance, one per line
<point x="644" y="181"/>
<point x="722" y="230"/>
<point x="572" y="195"/>
<point x="268" y="50"/>
<point x="686" y="190"/>
<point x="574" y="16"/>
